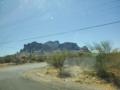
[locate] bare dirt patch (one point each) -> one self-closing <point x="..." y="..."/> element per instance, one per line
<point x="50" y="75"/>
<point x="6" y="65"/>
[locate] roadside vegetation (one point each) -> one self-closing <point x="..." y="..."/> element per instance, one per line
<point x="57" y="60"/>
<point x="107" y="62"/>
<point x="22" y="58"/>
<point x="107" y="65"/>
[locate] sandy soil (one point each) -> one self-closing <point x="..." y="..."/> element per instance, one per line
<point x="50" y="75"/>
<point x="6" y="65"/>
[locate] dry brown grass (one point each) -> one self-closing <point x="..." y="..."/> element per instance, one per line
<point x="4" y="65"/>
<point x="50" y="74"/>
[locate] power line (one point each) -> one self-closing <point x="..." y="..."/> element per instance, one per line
<point x="66" y="32"/>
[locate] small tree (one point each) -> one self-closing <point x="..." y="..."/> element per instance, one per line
<point x="57" y="60"/>
<point x="103" y="49"/>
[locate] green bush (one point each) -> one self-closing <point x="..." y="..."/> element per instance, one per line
<point x="41" y="58"/>
<point x="7" y="59"/>
<point x="100" y="65"/>
<point x="56" y="59"/>
<point x="107" y="66"/>
<point x="2" y="60"/>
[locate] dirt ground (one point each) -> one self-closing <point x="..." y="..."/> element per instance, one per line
<point x="51" y="75"/>
<point x="6" y="65"/>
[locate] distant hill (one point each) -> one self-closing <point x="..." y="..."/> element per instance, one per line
<point x="52" y="46"/>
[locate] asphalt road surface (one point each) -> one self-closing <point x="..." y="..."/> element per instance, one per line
<point x="11" y="79"/>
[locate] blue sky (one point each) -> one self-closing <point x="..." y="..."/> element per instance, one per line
<point x="21" y="19"/>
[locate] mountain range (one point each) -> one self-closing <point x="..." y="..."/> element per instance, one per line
<point x="52" y="46"/>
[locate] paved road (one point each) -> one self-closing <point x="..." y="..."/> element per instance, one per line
<point x="11" y="79"/>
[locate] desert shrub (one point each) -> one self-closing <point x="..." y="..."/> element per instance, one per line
<point x="113" y="61"/>
<point x="107" y="66"/>
<point x="84" y="54"/>
<point x="104" y="48"/>
<point x="113" y="67"/>
<point x="56" y="59"/>
<point x="19" y="60"/>
<point x="107" y="62"/>
<point x="64" y="74"/>
<point x="37" y="58"/>
<point x="41" y="58"/>
<point x="10" y="59"/>
<point x="2" y="60"/>
<point x="24" y="59"/>
<point x="7" y="59"/>
<point x="100" y="66"/>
